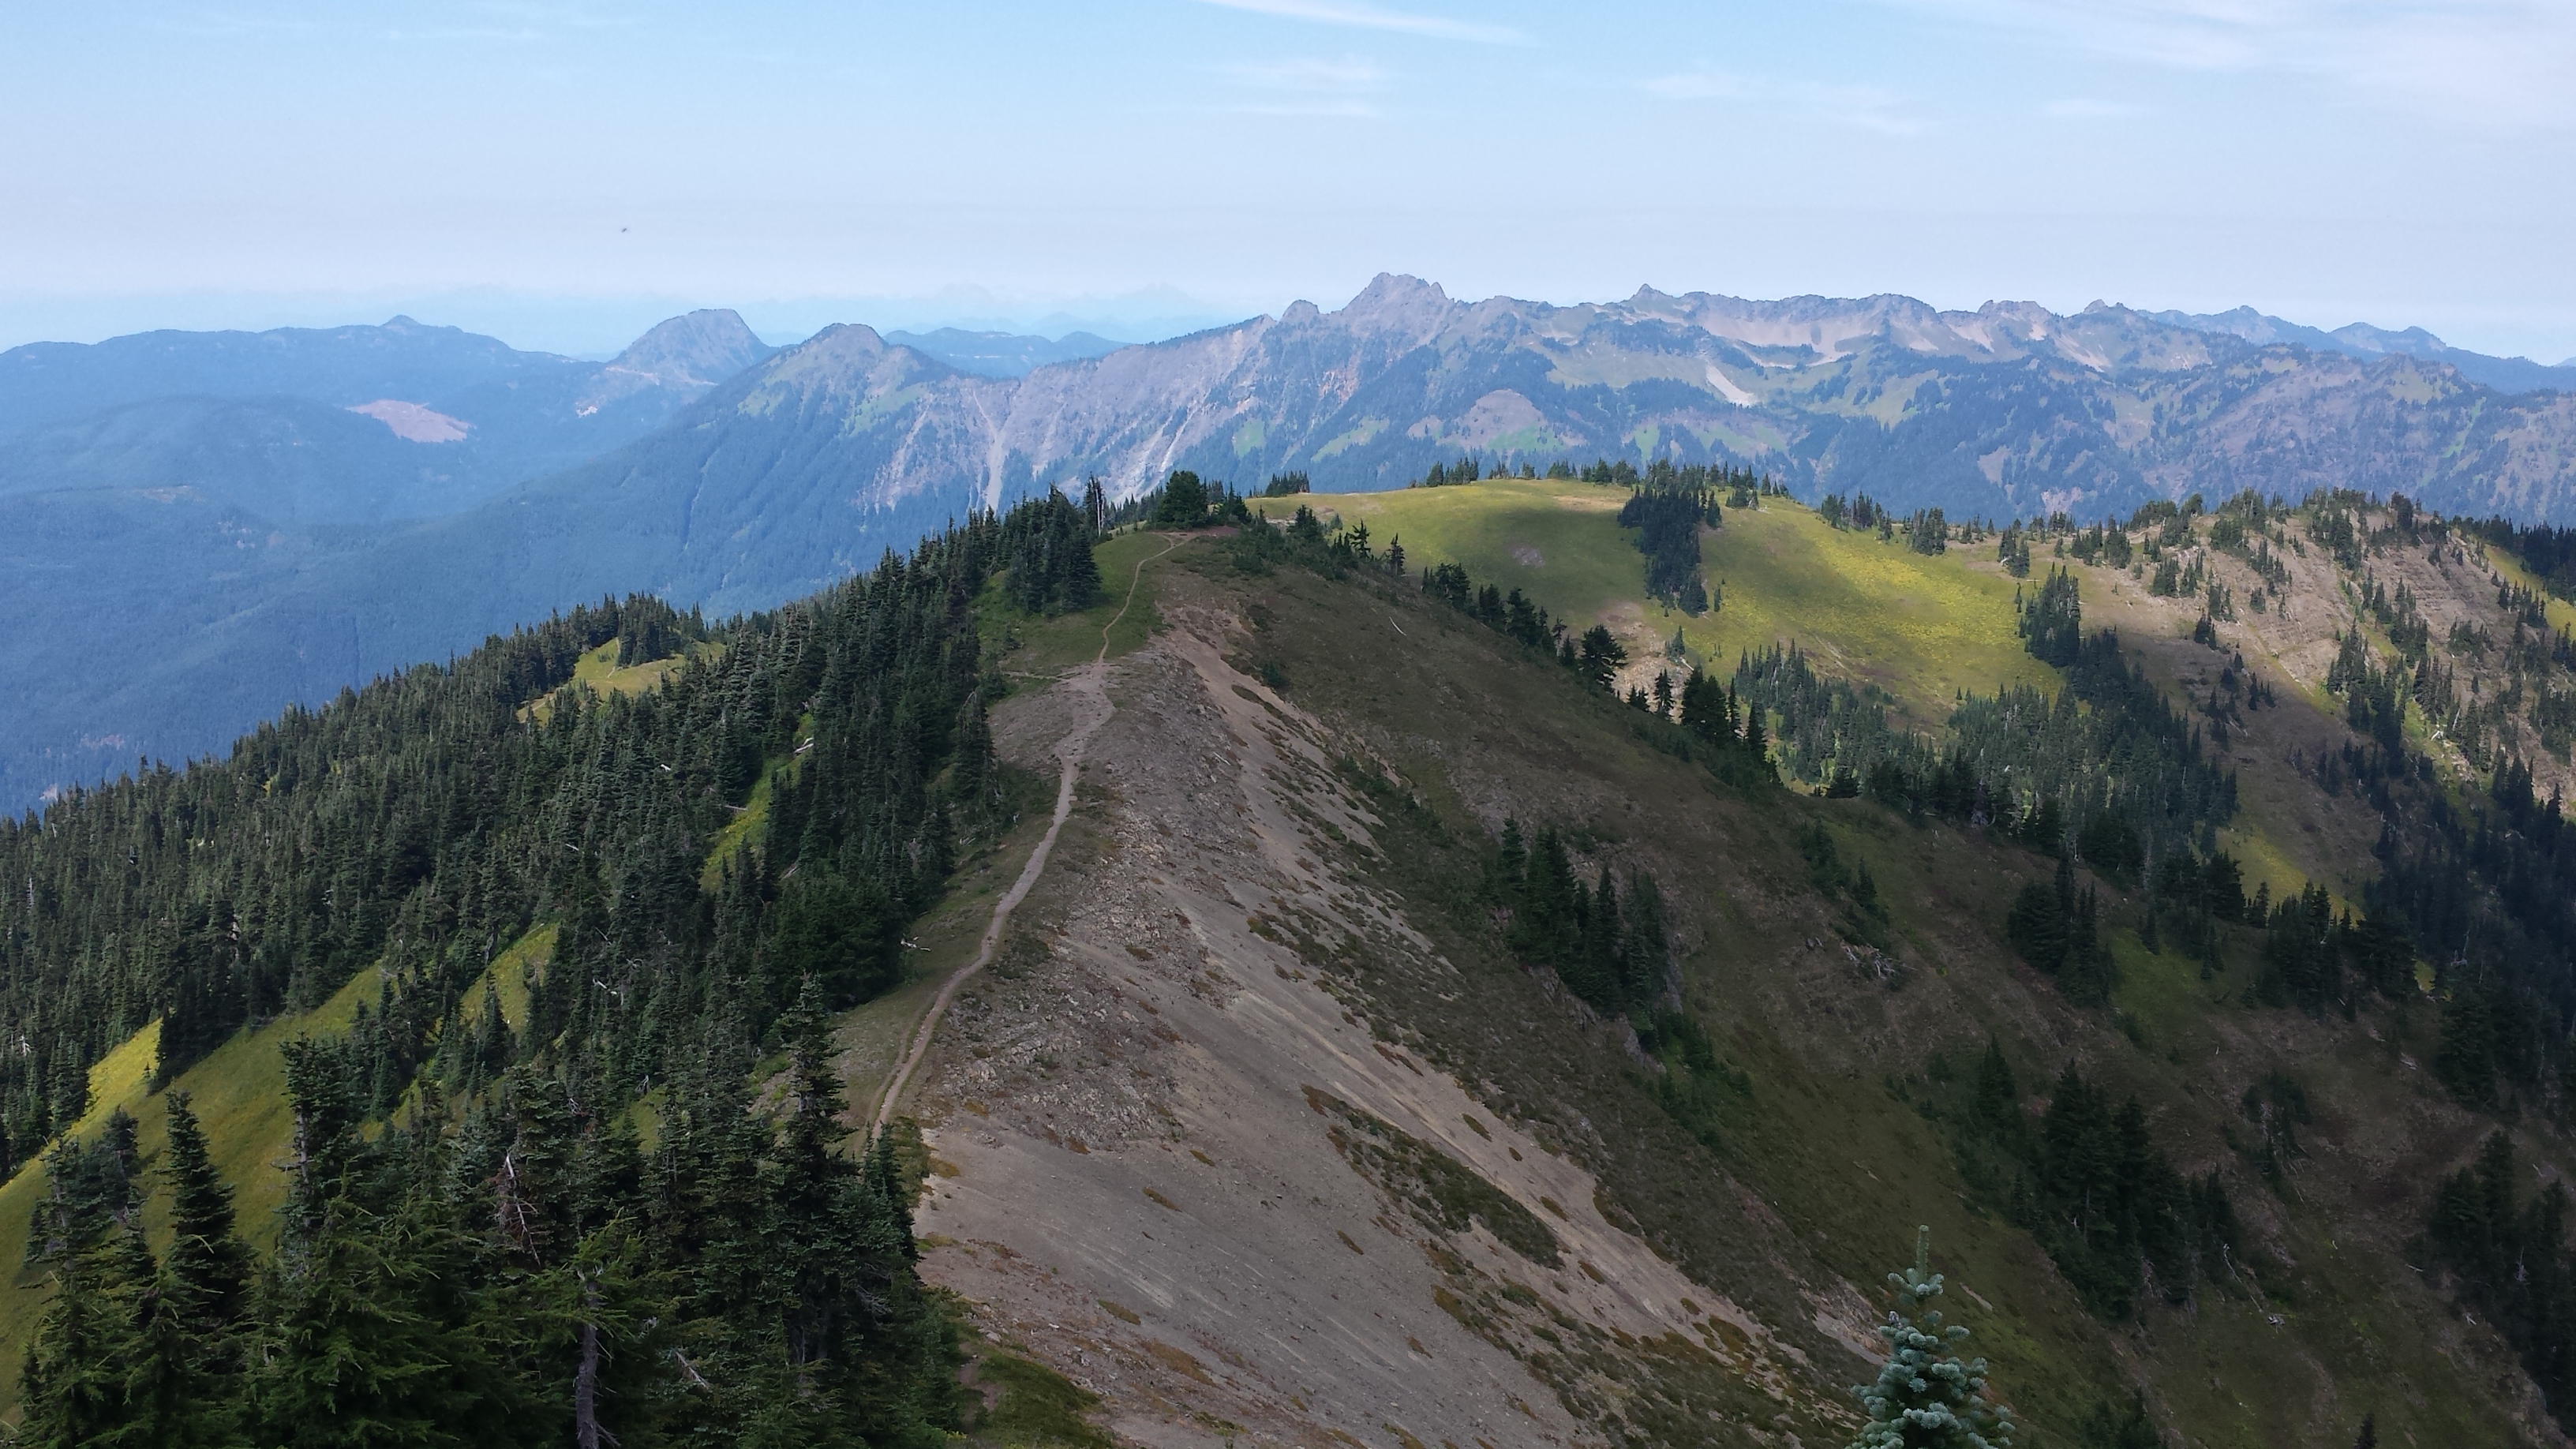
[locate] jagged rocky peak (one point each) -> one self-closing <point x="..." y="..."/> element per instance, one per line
<point x="1396" y="303"/>
<point x="1820" y="324"/>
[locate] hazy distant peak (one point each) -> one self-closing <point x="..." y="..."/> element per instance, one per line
<point x="2362" y="340"/>
<point x="699" y="349"/>
<point x="2414" y="341"/>
<point x="1398" y="303"/>
<point x="688" y="355"/>
<point x="1002" y="354"/>
<point x="847" y="360"/>
<point x="2245" y="322"/>
<point x="839" y="344"/>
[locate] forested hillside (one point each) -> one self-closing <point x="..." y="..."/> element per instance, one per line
<point x="153" y="486"/>
<point x="804" y="465"/>
<point x="2169" y="933"/>
<point x="569" y="1222"/>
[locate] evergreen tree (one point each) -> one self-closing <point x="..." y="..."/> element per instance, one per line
<point x="1601" y="655"/>
<point x="2465" y="1061"/>
<point x="209" y="1269"/>
<point x="1925" y="1396"/>
<point x="2087" y="974"/>
<point x="2037" y="926"/>
<point x="75" y="1391"/>
<point x="1184" y="503"/>
<point x="1647" y="958"/>
<point x="370" y="1338"/>
<point x="192" y="1354"/>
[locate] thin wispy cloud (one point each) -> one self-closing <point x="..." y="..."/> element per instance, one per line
<point x="1870" y="108"/>
<point x="2489" y="62"/>
<point x="451" y="33"/>
<point x="2085" y="108"/>
<point x="1348" y="74"/>
<point x="1305" y="87"/>
<point x="1371" y="17"/>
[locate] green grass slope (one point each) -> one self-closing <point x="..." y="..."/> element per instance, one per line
<point x="1840" y="1144"/>
<point x="1922" y="627"/>
<point x="239" y="1093"/>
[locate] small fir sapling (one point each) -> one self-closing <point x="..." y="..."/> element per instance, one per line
<point x="1925" y="1396"/>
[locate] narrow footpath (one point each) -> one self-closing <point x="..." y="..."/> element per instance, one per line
<point x="1090" y="683"/>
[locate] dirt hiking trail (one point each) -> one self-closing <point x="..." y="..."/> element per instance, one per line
<point x="1088" y="684"/>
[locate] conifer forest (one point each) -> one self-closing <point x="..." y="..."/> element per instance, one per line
<point x="583" y="1165"/>
<point x="830" y="726"/>
<point x="476" y="1248"/>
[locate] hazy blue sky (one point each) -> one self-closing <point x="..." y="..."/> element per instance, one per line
<point x="564" y="173"/>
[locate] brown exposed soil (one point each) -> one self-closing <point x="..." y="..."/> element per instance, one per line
<point x="414" y="423"/>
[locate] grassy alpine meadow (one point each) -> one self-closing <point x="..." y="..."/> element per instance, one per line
<point x="1923" y="627"/>
<point x="1554" y="539"/>
<point x="1920" y="626"/>
<point x="599" y="671"/>
<point x="1028" y="649"/>
<point x="508" y="975"/>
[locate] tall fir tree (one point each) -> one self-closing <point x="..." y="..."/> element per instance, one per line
<point x="208" y="1267"/>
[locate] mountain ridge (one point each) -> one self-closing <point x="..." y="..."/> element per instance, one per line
<point x="158" y="487"/>
<point x="809" y="462"/>
<point x="2143" y="408"/>
<point x="1591" y="1056"/>
<point x="2361" y="339"/>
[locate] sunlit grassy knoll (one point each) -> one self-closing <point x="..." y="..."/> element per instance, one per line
<point x="599" y="672"/>
<point x="1921" y="626"/>
<point x="1025" y="647"/>
<point x="2562" y="614"/>
<point x="508" y="974"/>
<point x="1556" y="540"/>
<point x="739" y="831"/>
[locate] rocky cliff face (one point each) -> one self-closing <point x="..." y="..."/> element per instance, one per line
<point x="2009" y="409"/>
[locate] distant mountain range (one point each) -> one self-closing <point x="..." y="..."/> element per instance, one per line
<point x="2504" y="374"/>
<point x="2010" y="409"/>
<point x="197" y="528"/>
<point x="154" y="488"/>
<point x="308" y="426"/>
<point x="1002" y="354"/>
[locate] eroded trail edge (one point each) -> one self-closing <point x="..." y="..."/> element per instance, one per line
<point x="1089" y="684"/>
